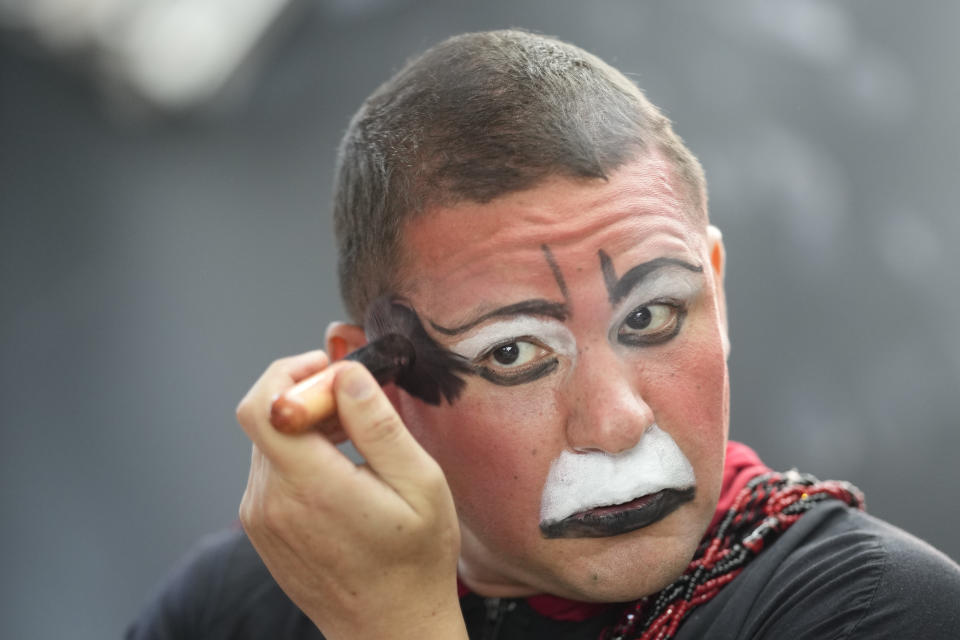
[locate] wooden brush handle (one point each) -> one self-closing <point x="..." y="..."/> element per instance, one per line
<point x="304" y="404"/>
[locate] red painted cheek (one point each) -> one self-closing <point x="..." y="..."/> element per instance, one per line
<point x="686" y="388"/>
<point x="689" y="403"/>
<point x="495" y="446"/>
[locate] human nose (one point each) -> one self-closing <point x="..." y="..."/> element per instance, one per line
<point x="606" y="411"/>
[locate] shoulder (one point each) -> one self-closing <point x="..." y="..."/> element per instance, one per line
<point x="843" y="574"/>
<point x="917" y="586"/>
<point x="221" y="589"/>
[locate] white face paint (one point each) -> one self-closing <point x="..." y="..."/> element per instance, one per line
<point x="552" y="334"/>
<point x="581" y="481"/>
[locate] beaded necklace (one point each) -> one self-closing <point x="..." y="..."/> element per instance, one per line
<point x="766" y="507"/>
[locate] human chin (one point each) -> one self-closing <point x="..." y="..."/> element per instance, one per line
<point x="595" y="494"/>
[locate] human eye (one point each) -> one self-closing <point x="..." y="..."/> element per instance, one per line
<point x="515" y="361"/>
<point x="651" y="323"/>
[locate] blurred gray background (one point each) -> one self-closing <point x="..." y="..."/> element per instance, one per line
<point x="164" y="235"/>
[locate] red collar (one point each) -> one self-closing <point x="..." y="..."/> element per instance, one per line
<point x="740" y="465"/>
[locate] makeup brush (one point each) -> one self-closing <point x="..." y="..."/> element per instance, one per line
<point x="399" y="351"/>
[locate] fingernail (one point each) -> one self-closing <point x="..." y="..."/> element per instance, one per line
<point x="359" y="384"/>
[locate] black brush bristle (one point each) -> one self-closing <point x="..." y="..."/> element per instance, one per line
<point x="401" y="351"/>
<point x="385" y="357"/>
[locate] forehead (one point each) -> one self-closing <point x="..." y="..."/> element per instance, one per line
<point x="499" y="248"/>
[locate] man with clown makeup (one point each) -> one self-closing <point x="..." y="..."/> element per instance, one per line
<point x="548" y="231"/>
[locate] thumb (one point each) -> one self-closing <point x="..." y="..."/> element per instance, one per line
<point x="379" y="434"/>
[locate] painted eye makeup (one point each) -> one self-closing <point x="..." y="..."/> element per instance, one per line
<point x="652" y="323"/>
<point x="515" y="362"/>
<point x="518" y="350"/>
<point x="654" y="312"/>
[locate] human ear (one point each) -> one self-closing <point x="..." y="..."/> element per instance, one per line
<point x="718" y="262"/>
<point x="343" y="338"/>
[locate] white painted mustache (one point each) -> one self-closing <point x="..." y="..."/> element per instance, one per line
<point x="580" y="481"/>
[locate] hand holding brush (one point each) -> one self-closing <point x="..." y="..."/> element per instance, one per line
<point x="399" y="351"/>
<point x="332" y="531"/>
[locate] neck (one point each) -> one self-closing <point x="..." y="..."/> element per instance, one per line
<point x="489" y="585"/>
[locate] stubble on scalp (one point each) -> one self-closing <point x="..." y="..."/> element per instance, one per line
<point x="476" y="117"/>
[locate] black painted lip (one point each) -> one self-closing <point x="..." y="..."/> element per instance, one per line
<point x="590" y="524"/>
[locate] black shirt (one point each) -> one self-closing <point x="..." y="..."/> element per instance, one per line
<point x="837" y="574"/>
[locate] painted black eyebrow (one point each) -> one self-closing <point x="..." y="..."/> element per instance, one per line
<point x="555" y="268"/>
<point x="547" y="308"/>
<point x="618" y="288"/>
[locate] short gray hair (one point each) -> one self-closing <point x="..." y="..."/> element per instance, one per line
<point x="475" y="117"/>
